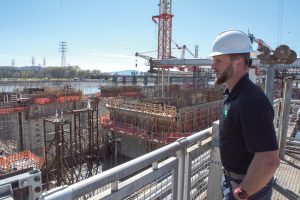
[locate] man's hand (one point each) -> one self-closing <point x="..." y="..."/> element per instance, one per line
<point x="234" y="187"/>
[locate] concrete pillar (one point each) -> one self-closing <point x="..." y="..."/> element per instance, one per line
<point x="285" y="116"/>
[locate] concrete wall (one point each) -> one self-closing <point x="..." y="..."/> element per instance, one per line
<point x="133" y="146"/>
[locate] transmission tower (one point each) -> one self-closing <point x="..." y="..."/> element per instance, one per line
<point x="44" y="62"/>
<point x="32" y="61"/>
<point x="63" y="49"/>
<point x="12" y="62"/>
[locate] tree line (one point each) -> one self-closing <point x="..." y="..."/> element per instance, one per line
<point x="48" y="72"/>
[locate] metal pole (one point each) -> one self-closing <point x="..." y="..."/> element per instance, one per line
<point x="269" y="87"/>
<point x="116" y="152"/>
<point x="180" y="154"/>
<point x="162" y="82"/>
<point x="215" y="166"/>
<point x="168" y="80"/>
<point x="285" y="116"/>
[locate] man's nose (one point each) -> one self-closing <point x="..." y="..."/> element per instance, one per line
<point x="213" y="66"/>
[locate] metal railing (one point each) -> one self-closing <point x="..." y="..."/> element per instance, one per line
<point x="189" y="168"/>
<point x="179" y="170"/>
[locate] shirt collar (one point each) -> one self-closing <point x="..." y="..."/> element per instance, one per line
<point x="238" y="87"/>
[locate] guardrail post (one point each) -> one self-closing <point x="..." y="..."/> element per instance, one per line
<point x="114" y="186"/>
<point x="285" y="116"/>
<point x="277" y="122"/>
<point x="180" y="154"/>
<point x="215" y="166"/>
<point x="187" y="176"/>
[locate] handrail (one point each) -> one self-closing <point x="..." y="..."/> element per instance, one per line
<point x="95" y="182"/>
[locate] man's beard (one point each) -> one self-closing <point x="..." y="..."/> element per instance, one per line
<point x="225" y="75"/>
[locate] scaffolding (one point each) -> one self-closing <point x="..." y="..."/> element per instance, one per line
<point x="22" y="126"/>
<point x="24" y="160"/>
<point x="11" y="108"/>
<point x="181" y="113"/>
<point x="74" y="148"/>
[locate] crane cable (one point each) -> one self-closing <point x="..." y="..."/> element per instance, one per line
<point x="280" y="20"/>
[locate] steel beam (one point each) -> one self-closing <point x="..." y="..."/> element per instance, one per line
<point x="208" y="62"/>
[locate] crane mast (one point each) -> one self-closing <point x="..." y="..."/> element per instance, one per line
<point x="164" y="21"/>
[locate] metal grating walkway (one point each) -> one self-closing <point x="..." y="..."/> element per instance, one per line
<point x="287" y="184"/>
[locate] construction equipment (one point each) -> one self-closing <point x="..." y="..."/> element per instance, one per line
<point x="184" y="49"/>
<point x="148" y="63"/>
<point x="281" y="55"/>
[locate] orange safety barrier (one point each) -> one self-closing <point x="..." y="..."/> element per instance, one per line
<point x="7" y="161"/>
<point x="67" y="98"/>
<point x="42" y="100"/>
<point x="60" y="99"/>
<point x="13" y="109"/>
<point x="128" y="129"/>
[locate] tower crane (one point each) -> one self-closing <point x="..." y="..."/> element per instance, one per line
<point x="164" y="21"/>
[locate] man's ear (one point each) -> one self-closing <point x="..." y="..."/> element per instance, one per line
<point x="238" y="63"/>
<point x="242" y="63"/>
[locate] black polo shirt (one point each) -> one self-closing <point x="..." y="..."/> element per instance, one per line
<point x="246" y="126"/>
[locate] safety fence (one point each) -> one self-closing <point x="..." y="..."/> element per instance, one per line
<point x="19" y="161"/>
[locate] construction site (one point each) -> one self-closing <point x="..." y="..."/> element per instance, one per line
<point x="70" y="136"/>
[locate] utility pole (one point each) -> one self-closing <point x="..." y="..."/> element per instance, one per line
<point x="63" y="49"/>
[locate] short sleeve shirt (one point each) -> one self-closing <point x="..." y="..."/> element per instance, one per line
<point x="246" y="126"/>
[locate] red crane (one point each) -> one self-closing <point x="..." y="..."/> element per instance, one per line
<point x="164" y="29"/>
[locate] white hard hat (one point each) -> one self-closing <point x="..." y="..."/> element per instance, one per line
<point x="232" y="42"/>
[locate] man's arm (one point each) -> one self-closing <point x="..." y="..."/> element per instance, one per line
<point x="260" y="171"/>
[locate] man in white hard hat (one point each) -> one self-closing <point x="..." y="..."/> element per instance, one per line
<point x="248" y="145"/>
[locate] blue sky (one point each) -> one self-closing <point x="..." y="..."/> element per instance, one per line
<point x="105" y="34"/>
